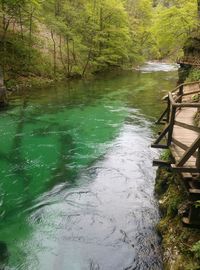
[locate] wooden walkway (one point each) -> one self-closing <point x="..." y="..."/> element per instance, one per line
<point x="181" y="135"/>
<point x="192" y="61"/>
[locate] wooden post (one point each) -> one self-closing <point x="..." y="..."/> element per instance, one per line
<point x="171" y="125"/>
<point x="198" y="159"/>
<point x="180" y="93"/>
<point x="168" y="111"/>
<point x="161" y="120"/>
<point x="198" y="5"/>
<point x="189" y="152"/>
<point x="194" y="215"/>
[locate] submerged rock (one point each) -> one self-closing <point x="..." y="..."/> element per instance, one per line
<point x="4" y="255"/>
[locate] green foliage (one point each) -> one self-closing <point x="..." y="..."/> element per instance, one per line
<point x="161" y="184"/>
<point x="166" y="155"/>
<point x="174" y="22"/>
<point x="194" y="75"/>
<point x="77" y="36"/>
<point x="197" y="203"/>
<point x="57" y="37"/>
<point x="196" y="249"/>
<point x="173" y="206"/>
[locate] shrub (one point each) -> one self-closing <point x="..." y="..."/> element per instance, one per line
<point x="196" y="249"/>
<point x="194" y="75"/>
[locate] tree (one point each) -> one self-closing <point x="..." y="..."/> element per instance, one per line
<point x="86" y="36"/>
<point x="198" y="5"/>
<point x="173" y="25"/>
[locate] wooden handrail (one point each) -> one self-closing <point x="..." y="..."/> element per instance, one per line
<point x="184" y="84"/>
<point x="174" y="103"/>
<point x="187" y="126"/>
<point x="186" y="105"/>
<point x="191" y="60"/>
<point x="191" y="93"/>
<point x="189" y="152"/>
<point x="182" y="136"/>
<point x="171" y="99"/>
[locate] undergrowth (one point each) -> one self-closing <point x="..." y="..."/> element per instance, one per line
<point x="181" y="245"/>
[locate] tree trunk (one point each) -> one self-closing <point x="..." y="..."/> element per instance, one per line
<point x="30" y="33"/>
<point x="61" y="54"/>
<point x="101" y="29"/>
<point x="57" y="8"/>
<point x="68" y="58"/>
<point x="198" y="4"/>
<point x="5" y="23"/>
<point x="73" y="53"/>
<point x="54" y="53"/>
<point x="21" y="24"/>
<point x="87" y="62"/>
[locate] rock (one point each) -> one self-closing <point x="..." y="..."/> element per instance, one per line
<point x="3" y="96"/>
<point x="4" y="255"/>
<point x="184" y="209"/>
<point x="3" y="92"/>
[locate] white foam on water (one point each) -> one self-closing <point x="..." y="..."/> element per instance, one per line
<point x="157" y="66"/>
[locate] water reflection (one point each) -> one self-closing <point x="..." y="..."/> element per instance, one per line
<point x="77" y="178"/>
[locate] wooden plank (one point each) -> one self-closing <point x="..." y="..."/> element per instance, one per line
<point x="162" y="116"/>
<point x="187" y="176"/>
<point x="161" y="146"/>
<point x="186" y="126"/>
<point x="177" y="153"/>
<point x="161" y="163"/>
<point x="186" y="85"/>
<point x="162" y="135"/>
<point x="198" y="158"/>
<point x="184" y="169"/>
<point x="192" y="92"/>
<point x="181" y="145"/>
<point x="189" y="152"/>
<point x="171" y="126"/>
<point x="183" y="136"/>
<point x="194" y="190"/>
<point x="186" y="105"/>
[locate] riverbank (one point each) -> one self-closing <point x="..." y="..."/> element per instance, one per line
<point x="180" y="245"/>
<point x="34" y="81"/>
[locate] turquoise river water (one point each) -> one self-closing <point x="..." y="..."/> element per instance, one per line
<point x="77" y="183"/>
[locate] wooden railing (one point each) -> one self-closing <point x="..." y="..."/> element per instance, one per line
<point x="189" y="60"/>
<point x="176" y="100"/>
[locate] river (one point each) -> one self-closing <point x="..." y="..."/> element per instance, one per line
<point x="77" y="183"/>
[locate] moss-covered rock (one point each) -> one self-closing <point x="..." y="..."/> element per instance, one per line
<point x="178" y="242"/>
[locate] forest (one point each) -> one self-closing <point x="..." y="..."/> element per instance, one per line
<point x="82" y="85"/>
<point x="59" y="39"/>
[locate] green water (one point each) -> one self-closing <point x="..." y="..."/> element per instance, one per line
<point x="57" y="147"/>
